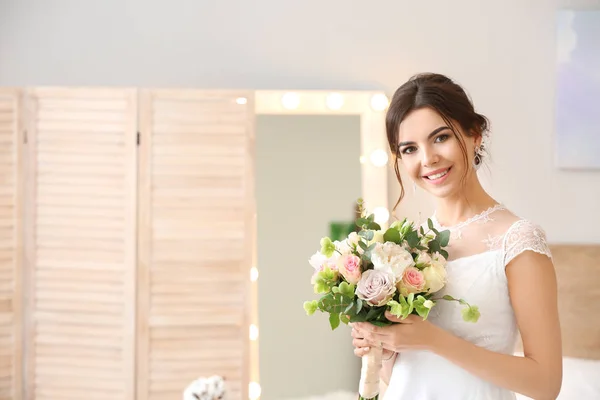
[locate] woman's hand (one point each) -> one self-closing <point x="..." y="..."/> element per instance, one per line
<point x="361" y="345"/>
<point x="410" y="333"/>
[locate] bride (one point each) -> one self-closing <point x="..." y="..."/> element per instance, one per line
<point x="497" y="261"/>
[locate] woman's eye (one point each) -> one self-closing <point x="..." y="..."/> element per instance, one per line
<point x="408" y="150"/>
<point x="442" y="138"/>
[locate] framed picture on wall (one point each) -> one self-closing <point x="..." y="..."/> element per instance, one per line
<point x="578" y="89"/>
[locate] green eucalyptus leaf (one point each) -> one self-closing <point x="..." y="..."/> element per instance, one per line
<point x="444" y="238"/>
<point x="392" y="235"/>
<point x="334" y="320"/>
<point x="374" y="226"/>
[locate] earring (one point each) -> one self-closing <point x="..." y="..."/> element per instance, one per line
<point x="477" y="159"/>
<point x="414" y="187"/>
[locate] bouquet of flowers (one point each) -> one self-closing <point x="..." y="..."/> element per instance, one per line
<point x="373" y="270"/>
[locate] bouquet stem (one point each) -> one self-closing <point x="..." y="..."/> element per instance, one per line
<point x="369" y="374"/>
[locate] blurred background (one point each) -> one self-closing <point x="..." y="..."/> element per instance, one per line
<point x="530" y="66"/>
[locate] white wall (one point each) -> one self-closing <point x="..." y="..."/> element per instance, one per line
<point x="502" y="51"/>
<point x="308" y="175"/>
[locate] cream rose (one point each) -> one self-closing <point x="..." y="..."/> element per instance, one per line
<point x="435" y="277"/>
<point x="376" y="287"/>
<point x="392" y="258"/>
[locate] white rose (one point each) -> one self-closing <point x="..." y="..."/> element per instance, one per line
<point x="353" y="239"/>
<point x="423" y="258"/>
<point x="391" y="257"/>
<point x="351" y="243"/>
<point x="343" y="248"/>
<point x="317" y="260"/>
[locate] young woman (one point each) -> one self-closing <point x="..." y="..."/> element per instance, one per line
<point x="497" y="261"/>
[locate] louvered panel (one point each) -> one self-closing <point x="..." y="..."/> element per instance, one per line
<point x="195" y="241"/>
<point x="82" y="165"/>
<point x="11" y="349"/>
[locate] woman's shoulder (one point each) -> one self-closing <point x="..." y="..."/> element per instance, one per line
<point x="523" y="234"/>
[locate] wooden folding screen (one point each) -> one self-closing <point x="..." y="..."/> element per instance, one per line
<point x="195" y="240"/>
<point x="11" y="184"/>
<point x="81" y="243"/>
<point x="126" y="242"/>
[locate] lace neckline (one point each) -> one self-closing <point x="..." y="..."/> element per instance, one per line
<point x="483" y="215"/>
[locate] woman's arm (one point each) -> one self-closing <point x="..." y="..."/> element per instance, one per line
<point x="533" y="293"/>
<point x="388" y="360"/>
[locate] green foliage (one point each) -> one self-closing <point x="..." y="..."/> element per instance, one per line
<point x="327" y="247"/>
<point x="325" y="281"/>
<point x="469" y="313"/>
<point x="340" y="230"/>
<point x="392" y="235"/>
<point x="310" y="307"/>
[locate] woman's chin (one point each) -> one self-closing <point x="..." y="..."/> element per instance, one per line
<point x="440" y="191"/>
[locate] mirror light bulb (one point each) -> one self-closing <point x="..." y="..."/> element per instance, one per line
<point x="335" y="101"/>
<point x="290" y="101"/>
<point x="381" y="215"/>
<point x="253" y="332"/>
<point x="379" y="158"/>
<point x="379" y="102"/>
<point x="254" y="390"/>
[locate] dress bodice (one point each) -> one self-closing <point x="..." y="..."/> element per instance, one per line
<point x="479" y="251"/>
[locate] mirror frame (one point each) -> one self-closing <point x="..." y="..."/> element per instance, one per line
<point x="371" y="107"/>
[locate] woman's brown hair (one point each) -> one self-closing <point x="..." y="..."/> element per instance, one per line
<point x="444" y="96"/>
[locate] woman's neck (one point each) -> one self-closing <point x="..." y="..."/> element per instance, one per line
<point x="473" y="200"/>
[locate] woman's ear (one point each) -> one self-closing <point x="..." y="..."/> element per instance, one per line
<point x="477" y="138"/>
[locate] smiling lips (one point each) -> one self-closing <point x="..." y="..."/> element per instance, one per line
<point x="438" y="176"/>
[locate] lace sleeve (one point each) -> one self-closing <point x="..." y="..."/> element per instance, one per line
<point x="524" y="235"/>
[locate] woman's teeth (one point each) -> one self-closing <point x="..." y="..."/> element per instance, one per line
<point x="437" y="176"/>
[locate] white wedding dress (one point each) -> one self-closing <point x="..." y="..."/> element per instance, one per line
<point x="479" y="250"/>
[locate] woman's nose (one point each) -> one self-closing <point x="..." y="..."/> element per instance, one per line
<point x="430" y="158"/>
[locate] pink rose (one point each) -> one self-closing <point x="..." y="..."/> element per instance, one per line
<point x="349" y="267"/>
<point x="413" y="281"/>
<point x="376" y="287"/>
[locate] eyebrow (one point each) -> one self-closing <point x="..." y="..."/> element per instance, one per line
<point x="435" y="132"/>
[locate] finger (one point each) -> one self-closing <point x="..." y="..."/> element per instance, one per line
<point x="360" y="343"/>
<point x="361" y="352"/>
<point x="393" y="318"/>
<point x="356" y="334"/>
<point x="370" y="329"/>
<point x="376" y="339"/>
